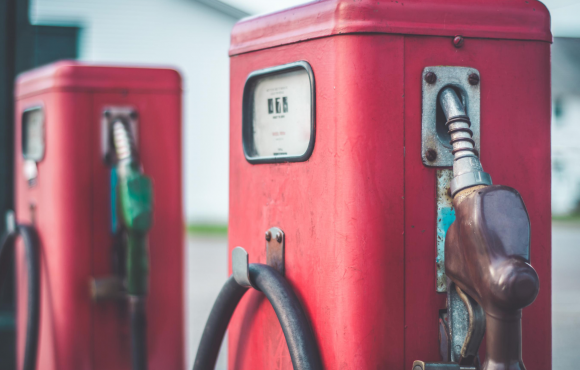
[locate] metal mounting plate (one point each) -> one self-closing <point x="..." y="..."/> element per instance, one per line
<point x="275" y="244"/>
<point x="433" y="140"/>
<point x="109" y="115"/>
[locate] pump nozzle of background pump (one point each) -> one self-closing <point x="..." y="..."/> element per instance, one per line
<point x="487" y="248"/>
<point x="135" y="211"/>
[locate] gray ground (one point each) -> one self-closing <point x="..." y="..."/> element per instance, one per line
<point x="565" y="296"/>
<point x="207" y="271"/>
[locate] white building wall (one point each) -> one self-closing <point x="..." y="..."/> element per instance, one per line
<point x="566" y="155"/>
<point x="183" y="34"/>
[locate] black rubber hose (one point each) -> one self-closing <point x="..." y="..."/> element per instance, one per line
<point x="31" y="246"/>
<point x="138" y="332"/>
<point x="299" y="337"/>
<point x="217" y="324"/>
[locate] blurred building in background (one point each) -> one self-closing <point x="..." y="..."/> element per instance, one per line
<point x="193" y="37"/>
<point x="566" y="126"/>
<point x="189" y="35"/>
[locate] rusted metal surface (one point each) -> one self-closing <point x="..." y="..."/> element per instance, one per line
<point x="434" y="132"/>
<point x="444" y="337"/>
<point x="420" y="365"/>
<point x="466" y="323"/>
<point x="275" y="249"/>
<point x="445" y="217"/>
<point x="475" y="330"/>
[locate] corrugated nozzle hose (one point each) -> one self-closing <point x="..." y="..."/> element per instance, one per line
<point x="467" y="170"/>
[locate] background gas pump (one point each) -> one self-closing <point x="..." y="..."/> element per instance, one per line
<point x="84" y="137"/>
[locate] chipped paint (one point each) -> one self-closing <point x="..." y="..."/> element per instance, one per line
<point x="445" y="217"/>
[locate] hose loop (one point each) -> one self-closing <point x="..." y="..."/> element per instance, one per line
<point x="31" y="245"/>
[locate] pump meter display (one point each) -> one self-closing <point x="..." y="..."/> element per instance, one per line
<point x="33" y="134"/>
<point x="278" y="114"/>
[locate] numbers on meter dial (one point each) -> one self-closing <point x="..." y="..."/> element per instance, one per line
<point x="281" y="117"/>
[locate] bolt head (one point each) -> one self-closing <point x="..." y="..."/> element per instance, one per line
<point x="473" y="79"/>
<point x="431" y="155"/>
<point x="279" y="237"/>
<point x="107" y="114"/>
<point x="133" y="114"/>
<point x="458" y="41"/>
<point x="268" y="236"/>
<point x="430" y="77"/>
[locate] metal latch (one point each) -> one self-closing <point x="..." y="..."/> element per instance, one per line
<point x="275" y="244"/>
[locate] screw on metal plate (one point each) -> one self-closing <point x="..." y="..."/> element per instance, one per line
<point x="275" y="244"/>
<point x="430" y="77"/>
<point x="431" y="155"/>
<point x="434" y="132"/>
<point x="473" y="79"/>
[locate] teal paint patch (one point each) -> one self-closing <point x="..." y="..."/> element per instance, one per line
<point x="445" y="218"/>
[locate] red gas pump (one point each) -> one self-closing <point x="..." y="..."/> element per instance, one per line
<point x="340" y="141"/>
<point x="88" y="139"/>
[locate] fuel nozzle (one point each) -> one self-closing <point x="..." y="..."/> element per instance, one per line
<point x="467" y="170"/>
<point x="487" y="248"/>
<point x="135" y="208"/>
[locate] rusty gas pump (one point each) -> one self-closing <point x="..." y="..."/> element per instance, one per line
<point x="338" y="138"/>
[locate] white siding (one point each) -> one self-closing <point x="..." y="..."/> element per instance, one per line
<point x="183" y="34"/>
<point x="566" y="155"/>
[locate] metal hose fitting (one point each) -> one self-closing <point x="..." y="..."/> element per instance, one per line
<point x="467" y="170"/>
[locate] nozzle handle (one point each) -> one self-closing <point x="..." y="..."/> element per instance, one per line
<point x="487" y="254"/>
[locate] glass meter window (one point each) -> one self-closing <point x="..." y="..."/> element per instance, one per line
<point x="278" y="114"/>
<point x="33" y="134"/>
